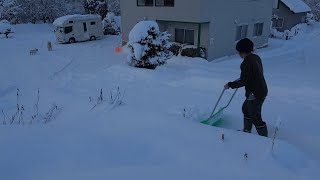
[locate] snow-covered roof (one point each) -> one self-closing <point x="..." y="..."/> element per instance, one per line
<point x="297" y="6"/>
<point x="76" y="17"/>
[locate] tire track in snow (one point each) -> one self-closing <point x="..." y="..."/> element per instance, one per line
<point x="61" y="70"/>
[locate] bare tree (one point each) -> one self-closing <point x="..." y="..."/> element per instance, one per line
<point x="8" y="8"/>
<point x="44" y="10"/>
<point x="96" y="7"/>
<point x="114" y="6"/>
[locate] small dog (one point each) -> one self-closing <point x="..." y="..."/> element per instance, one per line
<point x="33" y="51"/>
<point x="49" y="46"/>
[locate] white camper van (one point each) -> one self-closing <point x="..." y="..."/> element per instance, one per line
<point x="73" y="28"/>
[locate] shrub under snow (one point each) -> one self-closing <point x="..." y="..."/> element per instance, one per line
<point x="149" y="47"/>
<point x="5" y="28"/>
<point x="111" y="24"/>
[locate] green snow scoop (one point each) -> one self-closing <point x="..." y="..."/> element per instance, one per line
<point x="217" y="117"/>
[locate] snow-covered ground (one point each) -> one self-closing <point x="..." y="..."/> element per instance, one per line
<point x="155" y="132"/>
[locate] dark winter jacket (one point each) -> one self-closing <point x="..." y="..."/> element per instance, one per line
<point x="252" y="77"/>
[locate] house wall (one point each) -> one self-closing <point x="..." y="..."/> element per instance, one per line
<point x="290" y="18"/>
<point x="227" y="16"/>
<point x="219" y="20"/>
<point x="170" y="27"/>
<point x="184" y="11"/>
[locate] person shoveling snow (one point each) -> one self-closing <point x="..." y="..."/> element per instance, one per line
<point x="253" y="80"/>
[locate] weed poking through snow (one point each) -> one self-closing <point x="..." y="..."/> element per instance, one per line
<point x="246" y="156"/>
<point x="116" y="98"/>
<point x="4" y="122"/>
<point x="279" y="122"/>
<point x="189" y="112"/>
<point x="19" y="116"/>
<point x="50" y="114"/>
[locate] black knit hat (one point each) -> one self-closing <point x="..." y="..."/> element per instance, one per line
<point x="245" y="46"/>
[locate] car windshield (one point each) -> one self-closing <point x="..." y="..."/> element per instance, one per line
<point x="68" y="29"/>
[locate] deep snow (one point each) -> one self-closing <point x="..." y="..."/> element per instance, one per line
<point x="155" y="133"/>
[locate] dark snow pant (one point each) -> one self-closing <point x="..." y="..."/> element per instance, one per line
<point x="252" y="115"/>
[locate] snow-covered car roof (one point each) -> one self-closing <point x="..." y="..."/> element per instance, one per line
<point x="297" y="6"/>
<point x="76" y="17"/>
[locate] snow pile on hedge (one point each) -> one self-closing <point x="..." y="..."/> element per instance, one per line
<point x="311" y="18"/>
<point x="290" y="33"/>
<point x="149" y="47"/>
<point x="5" y="27"/>
<point x="111" y="24"/>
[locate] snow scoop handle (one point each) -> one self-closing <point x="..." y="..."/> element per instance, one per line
<point x="215" y="107"/>
<point x="235" y="92"/>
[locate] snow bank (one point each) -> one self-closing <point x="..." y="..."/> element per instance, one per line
<point x="290" y="33"/>
<point x="297" y="6"/>
<point x="76" y="17"/>
<point x="157" y="136"/>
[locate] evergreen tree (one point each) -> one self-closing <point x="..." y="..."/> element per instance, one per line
<point x="149" y="47"/>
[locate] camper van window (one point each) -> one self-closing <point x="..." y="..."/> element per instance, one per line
<point x="93" y="23"/>
<point x="68" y="29"/>
<point x="85" y="27"/>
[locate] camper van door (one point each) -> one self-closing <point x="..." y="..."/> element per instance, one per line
<point x="82" y="29"/>
<point x="78" y="32"/>
<point x="92" y="28"/>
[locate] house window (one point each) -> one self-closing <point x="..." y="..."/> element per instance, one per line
<point x="258" y="29"/>
<point x="167" y="3"/>
<point x="68" y="29"/>
<point x="241" y="32"/>
<point x="93" y="23"/>
<point x="184" y="36"/>
<point x="277" y="22"/>
<point x="145" y="2"/>
<point x="85" y="27"/>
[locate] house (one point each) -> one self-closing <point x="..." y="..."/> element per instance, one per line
<point x="215" y="25"/>
<point x="288" y="13"/>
